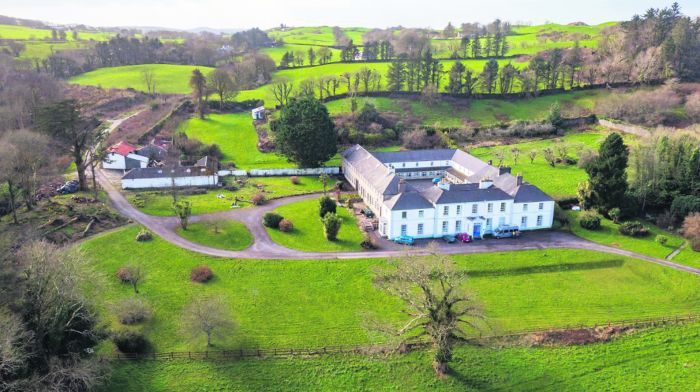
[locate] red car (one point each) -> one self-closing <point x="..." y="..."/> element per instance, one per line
<point x="464" y="237"/>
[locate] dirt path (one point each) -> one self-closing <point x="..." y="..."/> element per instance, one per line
<point x="264" y="248"/>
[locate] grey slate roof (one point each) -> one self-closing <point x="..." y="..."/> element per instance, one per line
<point x="165" y="172"/>
<point x="528" y="193"/>
<point x="415" y="155"/>
<point x="152" y="151"/>
<point x="378" y="174"/>
<point x="407" y="201"/>
<point x="464" y="193"/>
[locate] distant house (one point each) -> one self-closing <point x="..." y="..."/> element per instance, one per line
<point x="202" y="174"/>
<point x="258" y="113"/>
<point x="123" y="156"/>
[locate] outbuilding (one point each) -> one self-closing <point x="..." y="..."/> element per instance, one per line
<point x="123" y="156"/>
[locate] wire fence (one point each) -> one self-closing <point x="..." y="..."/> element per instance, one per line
<point x="377" y="348"/>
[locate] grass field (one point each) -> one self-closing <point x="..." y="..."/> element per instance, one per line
<point x="560" y="181"/>
<point x="321" y="35"/>
<point x="608" y="234"/>
<point x="479" y="112"/>
<point x="160" y="203"/>
<point x="655" y="359"/>
<point x="323" y="302"/>
<point x="228" y="234"/>
<point x="170" y="79"/>
<point x="14" y="32"/>
<point x="277" y="52"/>
<point x="236" y="136"/>
<point x="308" y="229"/>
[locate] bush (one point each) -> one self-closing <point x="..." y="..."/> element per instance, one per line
<point x="144" y="235"/>
<point x="326" y="205"/>
<point x="294" y="180"/>
<point x="201" y="274"/>
<point x="132" y="311"/>
<point x="124" y="275"/>
<point x="661" y="239"/>
<point x="286" y="225"/>
<point x="130" y="342"/>
<point x="368" y="242"/>
<point x="589" y="221"/>
<point x="272" y="220"/>
<point x="615" y="214"/>
<point x="633" y="229"/>
<point x="691" y="230"/>
<point x="331" y="226"/>
<point x="683" y="206"/>
<point x="258" y="199"/>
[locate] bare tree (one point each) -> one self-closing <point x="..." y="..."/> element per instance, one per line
<point x="149" y="79"/>
<point x="208" y="315"/>
<point x="136" y="276"/>
<point x="439" y="305"/>
<point x="548" y="155"/>
<point x="532" y="154"/>
<point x="221" y="82"/>
<point x="500" y="155"/>
<point x="515" y="154"/>
<point x="282" y="90"/>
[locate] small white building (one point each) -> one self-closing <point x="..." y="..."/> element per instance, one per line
<point x="258" y="113"/>
<point x="202" y="174"/>
<point x="432" y="193"/>
<point x="123" y="156"/>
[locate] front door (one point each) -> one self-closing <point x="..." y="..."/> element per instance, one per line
<point x="477" y="230"/>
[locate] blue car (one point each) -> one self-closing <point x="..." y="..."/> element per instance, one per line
<point x="404" y="240"/>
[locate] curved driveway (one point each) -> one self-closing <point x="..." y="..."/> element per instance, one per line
<point x="264" y="248"/>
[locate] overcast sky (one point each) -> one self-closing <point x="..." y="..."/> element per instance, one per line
<point x="187" y="14"/>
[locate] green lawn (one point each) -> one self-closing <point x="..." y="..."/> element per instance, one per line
<point x="560" y="181"/>
<point x="277" y="52"/>
<point x="608" y="234"/>
<point x="308" y="230"/>
<point x="225" y="234"/>
<point x="159" y="203"/>
<point x="235" y="135"/>
<point x="292" y="303"/>
<point x="169" y="78"/>
<point x="320" y="35"/>
<point x="653" y="359"/>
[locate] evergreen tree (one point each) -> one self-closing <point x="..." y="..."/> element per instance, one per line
<point x="396" y="76"/>
<point x="607" y="175"/>
<point x="198" y="85"/>
<point x="455" y="84"/>
<point x="489" y="76"/>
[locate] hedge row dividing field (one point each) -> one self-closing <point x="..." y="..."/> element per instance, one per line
<point x="325" y="302"/>
<point x="620" y="365"/>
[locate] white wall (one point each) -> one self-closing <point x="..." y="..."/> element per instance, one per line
<point x="294" y="172"/>
<point x="167" y="182"/>
<point x="118" y="162"/>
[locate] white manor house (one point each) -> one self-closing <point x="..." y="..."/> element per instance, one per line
<point x="472" y="196"/>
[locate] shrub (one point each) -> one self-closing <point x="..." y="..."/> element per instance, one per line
<point x="257" y="199"/>
<point x="665" y="220"/>
<point x="589" y="221"/>
<point x="691" y="230"/>
<point x="124" y="275"/>
<point x="326" y="205"/>
<point x="286" y="225"/>
<point x="683" y="206"/>
<point x="201" y="274"/>
<point x="368" y="242"/>
<point x="633" y="229"/>
<point x="272" y="220"/>
<point x="144" y="235"/>
<point x="132" y="311"/>
<point x="331" y="226"/>
<point x="615" y="214"/>
<point x="294" y="180"/>
<point x="661" y="239"/>
<point x="130" y="342"/>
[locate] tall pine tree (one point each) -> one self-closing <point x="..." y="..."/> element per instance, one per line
<point x="607" y="174"/>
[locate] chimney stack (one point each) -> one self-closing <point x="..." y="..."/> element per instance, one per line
<point x="402" y="185"/>
<point x="519" y="179"/>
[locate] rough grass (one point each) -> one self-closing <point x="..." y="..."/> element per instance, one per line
<point x="655" y="359"/>
<point x="324" y="302"/>
<point x="228" y="234"/>
<point x="608" y="234"/>
<point x="14" y="32"/>
<point x="159" y="203"/>
<point x="170" y="79"/>
<point x="278" y="51"/>
<point x="321" y="35"/>
<point x="308" y="231"/>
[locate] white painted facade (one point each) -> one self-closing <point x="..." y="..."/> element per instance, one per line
<point x="117" y="161"/>
<point x="167" y="182"/>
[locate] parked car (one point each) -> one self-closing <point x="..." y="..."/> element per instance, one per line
<point x="450" y="239"/>
<point x="464" y="237"/>
<point x="69" y="187"/>
<point x="368" y="213"/>
<point x="506" y="232"/>
<point x="404" y="240"/>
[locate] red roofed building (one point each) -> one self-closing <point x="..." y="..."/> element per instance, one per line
<point x="123" y="156"/>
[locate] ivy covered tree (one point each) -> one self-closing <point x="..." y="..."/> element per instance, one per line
<point x="305" y="133"/>
<point x="607" y="175"/>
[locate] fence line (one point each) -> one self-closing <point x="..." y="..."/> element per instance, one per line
<point x="376" y="349"/>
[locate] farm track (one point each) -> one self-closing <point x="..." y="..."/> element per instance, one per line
<point x="264" y="248"/>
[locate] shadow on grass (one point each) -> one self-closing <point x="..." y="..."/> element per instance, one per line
<point x="545" y="269"/>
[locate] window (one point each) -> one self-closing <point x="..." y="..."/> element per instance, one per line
<point x="431" y="163"/>
<point x="404" y="214"/>
<point x="403" y="230"/>
<point x="539" y="220"/>
<point x="416" y="164"/>
<point x="458" y="226"/>
<point x="488" y="223"/>
<point x="475" y="208"/>
<point x="459" y="210"/>
<point x="523" y="222"/>
<point x="525" y="207"/>
<point x="444" y="226"/>
<point x="420" y="213"/>
<point x="489" y="207"/>
<point x="541" y="206"/>
<point x="446" y="210"/>
<point x="403" y="165"/>
<point x="420" y="229"/>
<point x="503" y="207"/>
